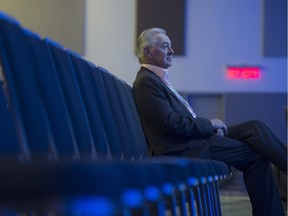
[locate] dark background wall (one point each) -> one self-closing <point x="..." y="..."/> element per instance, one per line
<point x="167" y="14"/>
<point x="274" y="28"/>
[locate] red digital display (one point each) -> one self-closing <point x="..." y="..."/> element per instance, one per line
<point x="243" y="72"/>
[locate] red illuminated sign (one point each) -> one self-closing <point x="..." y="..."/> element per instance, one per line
<point x="243" y="72"/>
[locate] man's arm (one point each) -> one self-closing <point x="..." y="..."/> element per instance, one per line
<point x="158" y="107"/>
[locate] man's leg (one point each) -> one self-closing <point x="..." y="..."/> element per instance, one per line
<point x="258" y="175"/>
<point x="263" y="140"/>
<point x="281" y="179"/>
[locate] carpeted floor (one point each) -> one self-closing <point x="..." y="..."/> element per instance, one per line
<point x="234" y="199"/>
<point x="235" y="205"/>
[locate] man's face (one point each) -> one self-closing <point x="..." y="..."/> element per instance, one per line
<point x="161" y="52"/>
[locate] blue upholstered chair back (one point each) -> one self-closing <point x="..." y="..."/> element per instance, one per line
<point x="80" y="111"/>
<point x="98" y="111"/>
<point x="30" y="115"/>
<point x="9" y="148"/>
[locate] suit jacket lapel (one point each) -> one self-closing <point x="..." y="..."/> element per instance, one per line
<point x="168" y="89"/>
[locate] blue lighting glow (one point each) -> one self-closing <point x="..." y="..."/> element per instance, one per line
<point x="96" y="206"/>
<point x="152" y="193"/>
<point x="132" y="198"/>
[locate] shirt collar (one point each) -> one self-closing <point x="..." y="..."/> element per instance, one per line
<point x="160" y="72"/>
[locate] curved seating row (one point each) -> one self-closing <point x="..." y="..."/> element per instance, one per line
<point x="72" y="142"/>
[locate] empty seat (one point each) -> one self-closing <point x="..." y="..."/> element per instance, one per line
<point x="73" y="99"/>
<point x="50" y="90"/>
<point x="127" y="103"/>
<point x="30" y="117"/>
<point x="122" y="124"/>
<point x="107" y="114"/>
<point x="93" y="107"/>
<point x="9" y="148"/>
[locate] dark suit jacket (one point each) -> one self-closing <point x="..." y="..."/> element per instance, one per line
<point x="168" y="125"/>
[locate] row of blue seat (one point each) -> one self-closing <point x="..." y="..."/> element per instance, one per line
<point x="72" y="133"/>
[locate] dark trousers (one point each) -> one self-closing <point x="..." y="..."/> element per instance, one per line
<point x="250" y="147"/>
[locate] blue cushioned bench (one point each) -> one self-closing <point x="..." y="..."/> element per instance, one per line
<point x="72" y="143"/>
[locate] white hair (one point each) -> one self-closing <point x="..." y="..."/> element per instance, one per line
<point x="146" y="39"/>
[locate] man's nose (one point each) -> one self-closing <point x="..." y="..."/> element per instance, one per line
<point x="171" y="51"/>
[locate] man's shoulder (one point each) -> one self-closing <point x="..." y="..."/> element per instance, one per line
<point x="145" y="74"/>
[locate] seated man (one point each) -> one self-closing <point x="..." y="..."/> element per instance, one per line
<point x="172" y="128"/>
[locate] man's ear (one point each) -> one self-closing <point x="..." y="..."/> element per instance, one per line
<point x="147" y="53"/>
